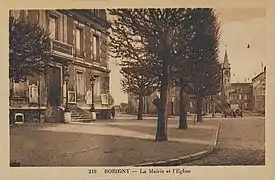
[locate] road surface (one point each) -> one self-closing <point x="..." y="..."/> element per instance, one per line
<point x="241" y="141"/>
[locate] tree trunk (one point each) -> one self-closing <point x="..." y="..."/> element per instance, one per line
<point x="140" y="107"/>
<point x="183" y="113"/>
<point x="213" y="109"/>
<point x="199" y="109"/>
<point x="161" y="134"/>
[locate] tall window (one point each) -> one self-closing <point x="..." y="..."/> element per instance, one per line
<point x="53" y="27"/>
<point x="80" y="83"/>
<point x="97" y="86"/>
<point x="78" y="34"/>
<point x="96" y="48"/>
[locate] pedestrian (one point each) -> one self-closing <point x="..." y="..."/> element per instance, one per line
<point x="156" y="102"/>
<point x="113" y="112"/>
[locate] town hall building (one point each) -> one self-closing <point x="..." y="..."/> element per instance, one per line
<point x="79" y="55"/>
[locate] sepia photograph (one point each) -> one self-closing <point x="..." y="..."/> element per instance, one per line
<point x="138" y="87"/>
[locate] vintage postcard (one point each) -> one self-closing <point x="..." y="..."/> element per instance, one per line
<point x="179" y="91"/>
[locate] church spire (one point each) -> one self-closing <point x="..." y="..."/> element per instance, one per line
<point x="226" y="64"/>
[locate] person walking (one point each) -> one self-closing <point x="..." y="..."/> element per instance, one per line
<point x="113" y="112"/>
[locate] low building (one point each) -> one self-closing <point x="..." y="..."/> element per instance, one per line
<point x="259" y="85"/>
<point x="240" y="94"/>
<point x="173" y="105"/>
<point x="79" y="49"/>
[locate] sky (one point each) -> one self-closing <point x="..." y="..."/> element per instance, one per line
<point x="239" y="27"/>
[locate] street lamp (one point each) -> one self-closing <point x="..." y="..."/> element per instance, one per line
<point x="66" y="78"/>
<point x="67" y="113"/>
<point x="92" y="105"/>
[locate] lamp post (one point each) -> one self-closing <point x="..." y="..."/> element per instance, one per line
<point x="67" y="113"/>
<point x="92" y="104"/>
<point x="66" y="78"/>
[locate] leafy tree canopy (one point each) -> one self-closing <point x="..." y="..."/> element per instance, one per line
<point x="29" y="49"/>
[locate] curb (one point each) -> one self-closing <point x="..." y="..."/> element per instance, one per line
<point x="188" y="158"/>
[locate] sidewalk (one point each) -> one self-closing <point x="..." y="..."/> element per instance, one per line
<point x="254" y="113"/>
<point x="123" y="143"/>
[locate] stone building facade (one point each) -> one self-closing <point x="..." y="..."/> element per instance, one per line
<point x="79" y="46"/>
<point x="259" y="86"/>
<point x="241" y="94"/>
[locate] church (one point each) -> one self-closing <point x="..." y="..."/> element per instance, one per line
<point x="235" y="93"/>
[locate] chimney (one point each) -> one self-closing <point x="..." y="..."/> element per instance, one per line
<point x="265" y="69"/>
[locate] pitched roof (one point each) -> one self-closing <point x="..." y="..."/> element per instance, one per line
<point x="225" y="61"/>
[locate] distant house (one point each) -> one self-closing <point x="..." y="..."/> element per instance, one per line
<point x="241" y="94"/>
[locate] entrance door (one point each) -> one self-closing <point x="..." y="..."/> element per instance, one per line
<point x="54" y="86"/>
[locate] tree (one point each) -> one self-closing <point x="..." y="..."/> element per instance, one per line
<point x="138" y="82"/>
<point x="182" y="79"/>
<point x="124" y="45"/>
<point x="181" y="70"/>
<point x="29" y="49"/>
<point x="163" y="36"/>
<point x="205" y="67"/>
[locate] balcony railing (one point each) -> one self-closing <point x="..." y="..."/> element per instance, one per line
<point x="62" y="47"/>
<point x="96" y="57"/>
<point x="79" y="53"/>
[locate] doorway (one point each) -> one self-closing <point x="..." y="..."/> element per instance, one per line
<point x="54" y="98"/>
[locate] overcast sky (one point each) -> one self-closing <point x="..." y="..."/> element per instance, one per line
<point x="239" y="27"/>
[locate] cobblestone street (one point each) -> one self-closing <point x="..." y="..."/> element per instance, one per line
<point x="240" y="142"/>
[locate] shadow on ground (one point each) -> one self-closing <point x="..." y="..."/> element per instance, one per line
<point x="47" y="148"/>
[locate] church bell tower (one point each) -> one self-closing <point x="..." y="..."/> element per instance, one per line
<point x="226" y="79"/>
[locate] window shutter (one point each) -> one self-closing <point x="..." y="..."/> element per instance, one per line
<point x="87" y="43"/>
<point x="65" y="28"/>
<point x="60" y="28"/>
<point x="100" y="46"/>
<point x="70" y="31"/>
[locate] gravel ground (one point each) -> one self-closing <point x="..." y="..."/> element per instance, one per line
<point x="33" y="147"/>
<point x="240" y="142"/>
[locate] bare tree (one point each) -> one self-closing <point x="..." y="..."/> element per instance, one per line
<point x="163" y="35"/>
